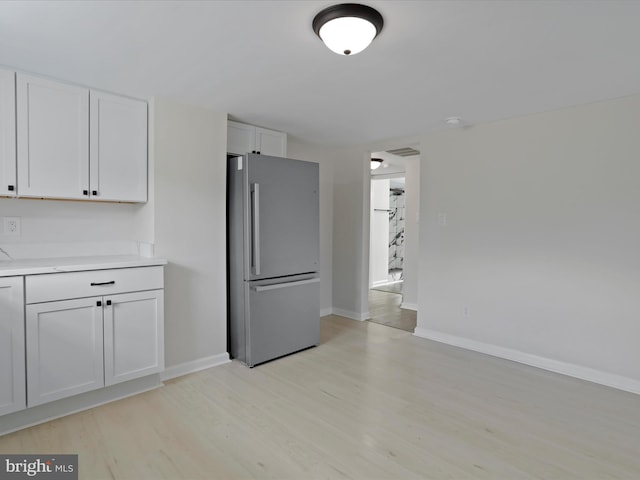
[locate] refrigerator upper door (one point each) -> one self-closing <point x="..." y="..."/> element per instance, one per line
<point x="281" y="217"/>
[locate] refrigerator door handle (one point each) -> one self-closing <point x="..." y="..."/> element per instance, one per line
<point x="264" y="288"/>
<point x="255" y="227"/>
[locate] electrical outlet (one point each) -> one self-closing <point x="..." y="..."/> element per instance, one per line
<point x="12" y="226"/>
<point x="466" y="312"/>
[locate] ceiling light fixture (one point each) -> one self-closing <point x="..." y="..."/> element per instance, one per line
<point x="375" y="163"/>
<point x="348" y="28"/>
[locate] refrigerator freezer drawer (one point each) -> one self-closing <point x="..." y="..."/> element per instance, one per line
<point x="283" y="318"/>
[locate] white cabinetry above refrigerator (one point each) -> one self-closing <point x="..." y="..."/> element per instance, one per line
<point x="242" y="138"/>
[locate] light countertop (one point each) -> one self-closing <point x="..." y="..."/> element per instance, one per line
<point x="35" y="266"/>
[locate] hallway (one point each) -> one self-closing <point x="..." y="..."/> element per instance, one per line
<point x="384" y="308"/>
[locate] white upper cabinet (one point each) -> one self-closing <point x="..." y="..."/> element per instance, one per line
<point x="73" y="143"/>
<point x="242" y="138"/>
<point x="53" y="139"/>
<point x="118" y="152"/>
<point x="8" y="184"/>
<point x="270" y="142"/>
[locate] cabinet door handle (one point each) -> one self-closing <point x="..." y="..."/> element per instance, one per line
<point x="12" y="188"/>
<point x="98" y="303"/>
<point x="97" y="284"/>
<point x="108" y="303"/>
<point x="94" y="193"/>
<point x="85" y="192"/>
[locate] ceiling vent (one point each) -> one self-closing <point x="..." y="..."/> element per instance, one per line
<point x="404" y="152"/>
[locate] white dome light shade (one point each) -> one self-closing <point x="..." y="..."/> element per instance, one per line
<point x="348" y="28"/>
<point x="347" y="35"/>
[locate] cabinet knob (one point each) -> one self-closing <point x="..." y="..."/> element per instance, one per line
<point x="85" y="192"/>
<point x="12" y="188"/>
<point x="258" y="152"/>
<point x="94" y="193"/>
<point x="108" y="303"/>
<point x="98" y="303"/>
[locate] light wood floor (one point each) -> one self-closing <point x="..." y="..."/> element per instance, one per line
<point x="384" y="308"/>
<point x="370" y="402"/>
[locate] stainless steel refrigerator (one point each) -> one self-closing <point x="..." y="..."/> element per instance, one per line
<point x="273" y="257"/>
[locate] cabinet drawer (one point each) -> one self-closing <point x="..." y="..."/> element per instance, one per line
<point x="61" y="286"/>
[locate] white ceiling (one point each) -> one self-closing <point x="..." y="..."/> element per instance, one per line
<point x="261" y="62"/>
<point x="393" y="166"/>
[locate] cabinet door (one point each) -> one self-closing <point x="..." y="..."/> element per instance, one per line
<point x="64" y="349"/>
<point x="118" y="159"/>
<point x="7" y="133"/>
<point x="270" y="142"/>
<point x="53" y="139"/>
<point x="12" y="373"/>
<point x="133" y="335"/>
<point x="241" y="138"/>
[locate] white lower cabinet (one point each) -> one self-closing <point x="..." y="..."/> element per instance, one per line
<point x="133" y="336"/>
<point x="12" y="374"/>
<point x="81" y="344"/>
<point x="64" y="349"/>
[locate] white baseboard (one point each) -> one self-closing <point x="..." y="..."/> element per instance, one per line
<point x="409" y="306"/>
<point x="194" y="366"/>
<point x="564" y="368"/>
<point x="326" y="311"/>
<point x="352" y="315"/>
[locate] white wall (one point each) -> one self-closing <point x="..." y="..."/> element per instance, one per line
<point x="190" y="217"/>
<point x="66" y="221"/>
<point x="541" y="243"/>
<point x="352" y="183"/>
<point x="412" y="233"/>
<point x="379" y="232"/>
<point x="350" y="231"/>
<point x="313" y="153"/>
<point x="49" y="227"/>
